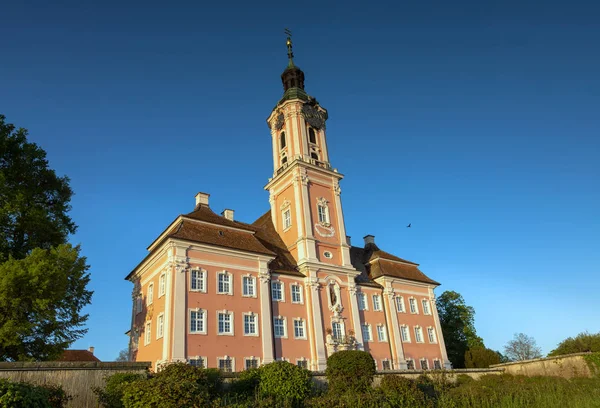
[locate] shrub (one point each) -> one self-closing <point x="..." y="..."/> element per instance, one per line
<point x="285" y="383"/>
<point x="110" y="396"/>
<point x="178" y="385"/>
<point x="246" y="384"/>
<point x="350" y="370"/>
<point x="581" y="343"/>
<point x="400" y="392"/>
<point x="24" y="395"/>
<point x="372" y="398"/>
<point x="481" y="357"/>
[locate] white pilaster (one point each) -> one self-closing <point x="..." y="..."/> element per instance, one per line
<point x="266" y="316"/>
<point x="167" y="321"/>
<point x="438" y="329"/>
<point x="355" y="315"/>
<point x="341" y="225"/>
<point x="178" y="263"/>
<point x="321" y="360"/>
<point x="392" y="317"/>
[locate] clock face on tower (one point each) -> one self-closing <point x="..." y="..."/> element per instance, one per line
<point x="313" y="116"/>
<point x="325" y="231"/>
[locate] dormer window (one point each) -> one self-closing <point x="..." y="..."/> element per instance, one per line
<point x="312" y="137"/>
<point x="282" y="140"/>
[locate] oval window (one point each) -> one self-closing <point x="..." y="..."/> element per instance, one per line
<point x="327" y="254"/>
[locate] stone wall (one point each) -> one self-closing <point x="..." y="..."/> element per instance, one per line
<point x="76" y="378"/>
<point x="567" y="366"/>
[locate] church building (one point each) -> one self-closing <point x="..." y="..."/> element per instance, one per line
<point x="220" y="293"/>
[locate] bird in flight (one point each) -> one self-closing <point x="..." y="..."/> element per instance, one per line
<point x="408" y="226"/>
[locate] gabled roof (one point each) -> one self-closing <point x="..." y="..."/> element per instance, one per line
<point x="78" y="355"/>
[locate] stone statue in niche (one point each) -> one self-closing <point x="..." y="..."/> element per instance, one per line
<point x="335" y="298"/>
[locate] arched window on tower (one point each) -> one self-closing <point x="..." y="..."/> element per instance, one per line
<point x="282" y="140"/>
<point x="311" y="136"/>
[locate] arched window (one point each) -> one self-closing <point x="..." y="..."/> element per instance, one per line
<point x="282" y="140"/>
<point x="311" y="136"/>
<point x="314" y="156"/>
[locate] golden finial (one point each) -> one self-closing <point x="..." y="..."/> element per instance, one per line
<point x="289" y="45"/>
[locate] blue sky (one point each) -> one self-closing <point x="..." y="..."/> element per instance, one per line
<point x="477" y="122"/>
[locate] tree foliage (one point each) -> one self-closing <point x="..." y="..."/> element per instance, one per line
<point x="34" y="201"/>
<point x="458" y="327"/>
<point x="481" y="357"/>
<point x="583" y="342"/>
<point x="350" y="370"/>
<point x="42" y="278"/>
<point x="522" y="347"/>
<point x="123" y="355"/>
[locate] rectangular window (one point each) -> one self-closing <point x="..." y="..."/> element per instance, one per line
<point x="431" y="334"/>
<point x="277" y="291"/>
<point x="362" y="301"/>
<point x="150" y="295"/>
<point x="197" y="362"/>
<point x="249" y="286"/>
<point x="426" y="310"/>
<point x="287" y="218"/>
<point x="424" y="364"/>
<point x="299" y="329"/>
<point x="197" y="321"/>
<point x="226" y="365"/>
<point x="400" y="304"/>
<point x="413" y="305"/>
<point x="376" y="303"/>
<point x="224" y="283"/>
<point x="322" y="213"/>
<point x="198" y="281"/>
<point x="302" y="364"/>
<point x="279" y="327"/>
<point x="251" y="363"/>
<point x="250" y="325"/>
<point x="148" y="333"/>
<point x="337" y="330"/>
<point x="405" y="334"/>
<point x="437" y="365"/>
<point x="381" y="334"/>
<point x="410" y="364"/>
<point x="160" y="326"/>
<point x="386" y="365"/>
<point x="162" y="285"/>
<point x="296" y="294"/>
<point x="225" y="323"/>
<point x="138" y="304"/>
<point x="418" y="335"/>
<point x="366" y="332"/>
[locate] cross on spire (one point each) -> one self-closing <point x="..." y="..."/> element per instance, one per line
<point x="289" y="46"/>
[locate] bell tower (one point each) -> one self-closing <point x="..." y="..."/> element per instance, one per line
<point x="306" y="206"/>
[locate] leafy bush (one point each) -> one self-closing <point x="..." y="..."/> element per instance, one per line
<point x="178" y="385"/>
<point x="24" y="395"/>
<point x="481" y="357"/>
<point x="110" y="396"/>
<point x="372" y="398"/>
<point x="246" y="384"/>
<point x="581" y="343"/>
<point x="400" y="392"/>
<point x="285" y="383"/>
<point x="350" y="370"/>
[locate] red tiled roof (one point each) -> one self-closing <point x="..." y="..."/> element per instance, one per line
<point x="78" y="355"/>
<point x="384" y="267"/>
<point x="204" y="213"/>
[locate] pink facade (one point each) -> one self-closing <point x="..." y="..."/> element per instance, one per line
<point x="289" y="286"/>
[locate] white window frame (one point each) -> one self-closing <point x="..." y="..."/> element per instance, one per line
<point x="413" y="302"/>
<point x="377" y="304"/>
<point x="300" y="320"/>
<point x="232" y="359"/>
<point x="407" y="340"/>
<point x="203" y="318"/>
<point x="411" y="360"/>
<point x="342" y="327"/>
<point x="437" y="360"/>
<point x="426" y="306"/>
<point x="381" y="329"/>
<point x="162" y="284"/>
<point x="366" y="329"/>
<point x="246" y="359"/>
<point x="282" y="290"/>
<point x="323" y="216"/>
<point x="252" y="279"/>
<point x="426" y="363"/>
<point x="256" y="323"/>
<point x="230" y="282"/>
<point x="365" y="301"/>
<point x="419" y="333"/>
<point x="150" y="294"/>
<point x="303" y="360"/>
<point x="160" y="326"/>
<point x="287" y="221"/>
<point x="400" y="306"/>
<point x="197" y="358"/>
<point x="386" y="360"/>
<point x="285" y="331"/>
<point x="201" y="273"/>
<point x="431" y="334"/>
<point x="296" y="285"/>
<point x="231" y="323"/>
<point x="148" y="333"/>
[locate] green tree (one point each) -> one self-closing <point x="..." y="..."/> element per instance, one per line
<point x="34" y="201"/>
<point x="481" y="357"/>
<point x="522" y="347"/>
<point x="458" y="327"/>
<point x="583" y="342"/>
<point x="43" y="279"/>
<point x="123" y="355"/>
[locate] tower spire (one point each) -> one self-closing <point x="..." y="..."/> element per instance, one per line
<point x="292" y="77"/>
<point x="289" y="45"/>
